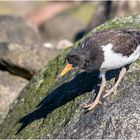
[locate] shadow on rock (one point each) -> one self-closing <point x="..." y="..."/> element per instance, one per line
<point x="82" y="83"/>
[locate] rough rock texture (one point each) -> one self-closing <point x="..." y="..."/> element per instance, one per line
<point x="14" y="29"/>
<point x="119" y="117"/>
<point x="48" y="108"/>
<point x="10" y="88"/>
<point x="24" y="60"/>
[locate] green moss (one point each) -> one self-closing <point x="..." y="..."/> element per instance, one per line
<point x="44" y="120"/>
<point x="138" y="61"/>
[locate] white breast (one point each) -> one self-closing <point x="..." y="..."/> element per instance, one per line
<point x="114" y="60"/>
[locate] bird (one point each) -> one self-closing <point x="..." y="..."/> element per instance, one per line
<point x="105" y="50"/>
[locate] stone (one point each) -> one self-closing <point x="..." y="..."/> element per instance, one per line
<point x="25" y="60"/>
<point x="117" y="118"/>
<point x="21" y="48"/>
<point x="14" y="29"/>
<point x="10" y="88"/>
<point x="48" y="108"/>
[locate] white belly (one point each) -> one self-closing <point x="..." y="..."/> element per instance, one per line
<point x="114" y="60"/>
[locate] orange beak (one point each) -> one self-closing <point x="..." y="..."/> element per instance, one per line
<point x="66" y="70"/>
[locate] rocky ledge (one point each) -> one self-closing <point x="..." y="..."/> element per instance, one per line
<point x="48" y="108"/>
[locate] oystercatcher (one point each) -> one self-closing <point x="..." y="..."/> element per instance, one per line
<point x="103" y="51"/>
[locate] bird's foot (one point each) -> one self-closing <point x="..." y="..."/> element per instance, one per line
<point x="110" y="91"/>
<point x="92" y="105"/>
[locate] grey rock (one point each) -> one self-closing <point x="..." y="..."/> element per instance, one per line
<point x="117" y="118"/>
<point x="14" y="29"/>
<point x="10" y="88"/>
<point x="24" y="60"/>
<point x="21" y="49"/>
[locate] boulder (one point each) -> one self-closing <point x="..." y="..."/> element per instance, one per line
<point x="22" y="54"/>
<point x="24" y="61"/>
<point x="14" y="29"/>
<point x="52" y="109"/>
<point x="117" y="118"/>
<point x="10" y="88"/>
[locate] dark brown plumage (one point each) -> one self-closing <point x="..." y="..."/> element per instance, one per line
<point x="104" y="51"/>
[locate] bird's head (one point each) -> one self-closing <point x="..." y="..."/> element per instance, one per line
<point x="75" y="59"/>
<point x="79" y="57"/>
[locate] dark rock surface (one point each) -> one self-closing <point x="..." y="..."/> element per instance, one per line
<point x="24" y="61"/>
<point x="10" y="88"/>
<point x="117" y="118"/>
<point x="48" y="108"/>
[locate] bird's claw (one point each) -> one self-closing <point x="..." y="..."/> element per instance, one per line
<point x="92" y="105"/>
<point x="110" y="91"/>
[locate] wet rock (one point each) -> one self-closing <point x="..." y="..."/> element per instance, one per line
<point x="10" y="88"/>
<point x="24" y="60"/>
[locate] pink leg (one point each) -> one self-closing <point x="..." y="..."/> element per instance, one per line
<point x="97" y="100"/>
<point x="114" y="88"/>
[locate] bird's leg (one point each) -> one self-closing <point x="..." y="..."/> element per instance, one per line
<point x="97" y="99"/>
<point x="114" y="88"/>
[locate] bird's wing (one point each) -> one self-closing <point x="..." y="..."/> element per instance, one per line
<point x="125" y="44"/>
<point x="123" y="41"/>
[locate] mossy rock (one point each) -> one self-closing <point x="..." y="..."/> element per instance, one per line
<point x="48" y="108"/>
